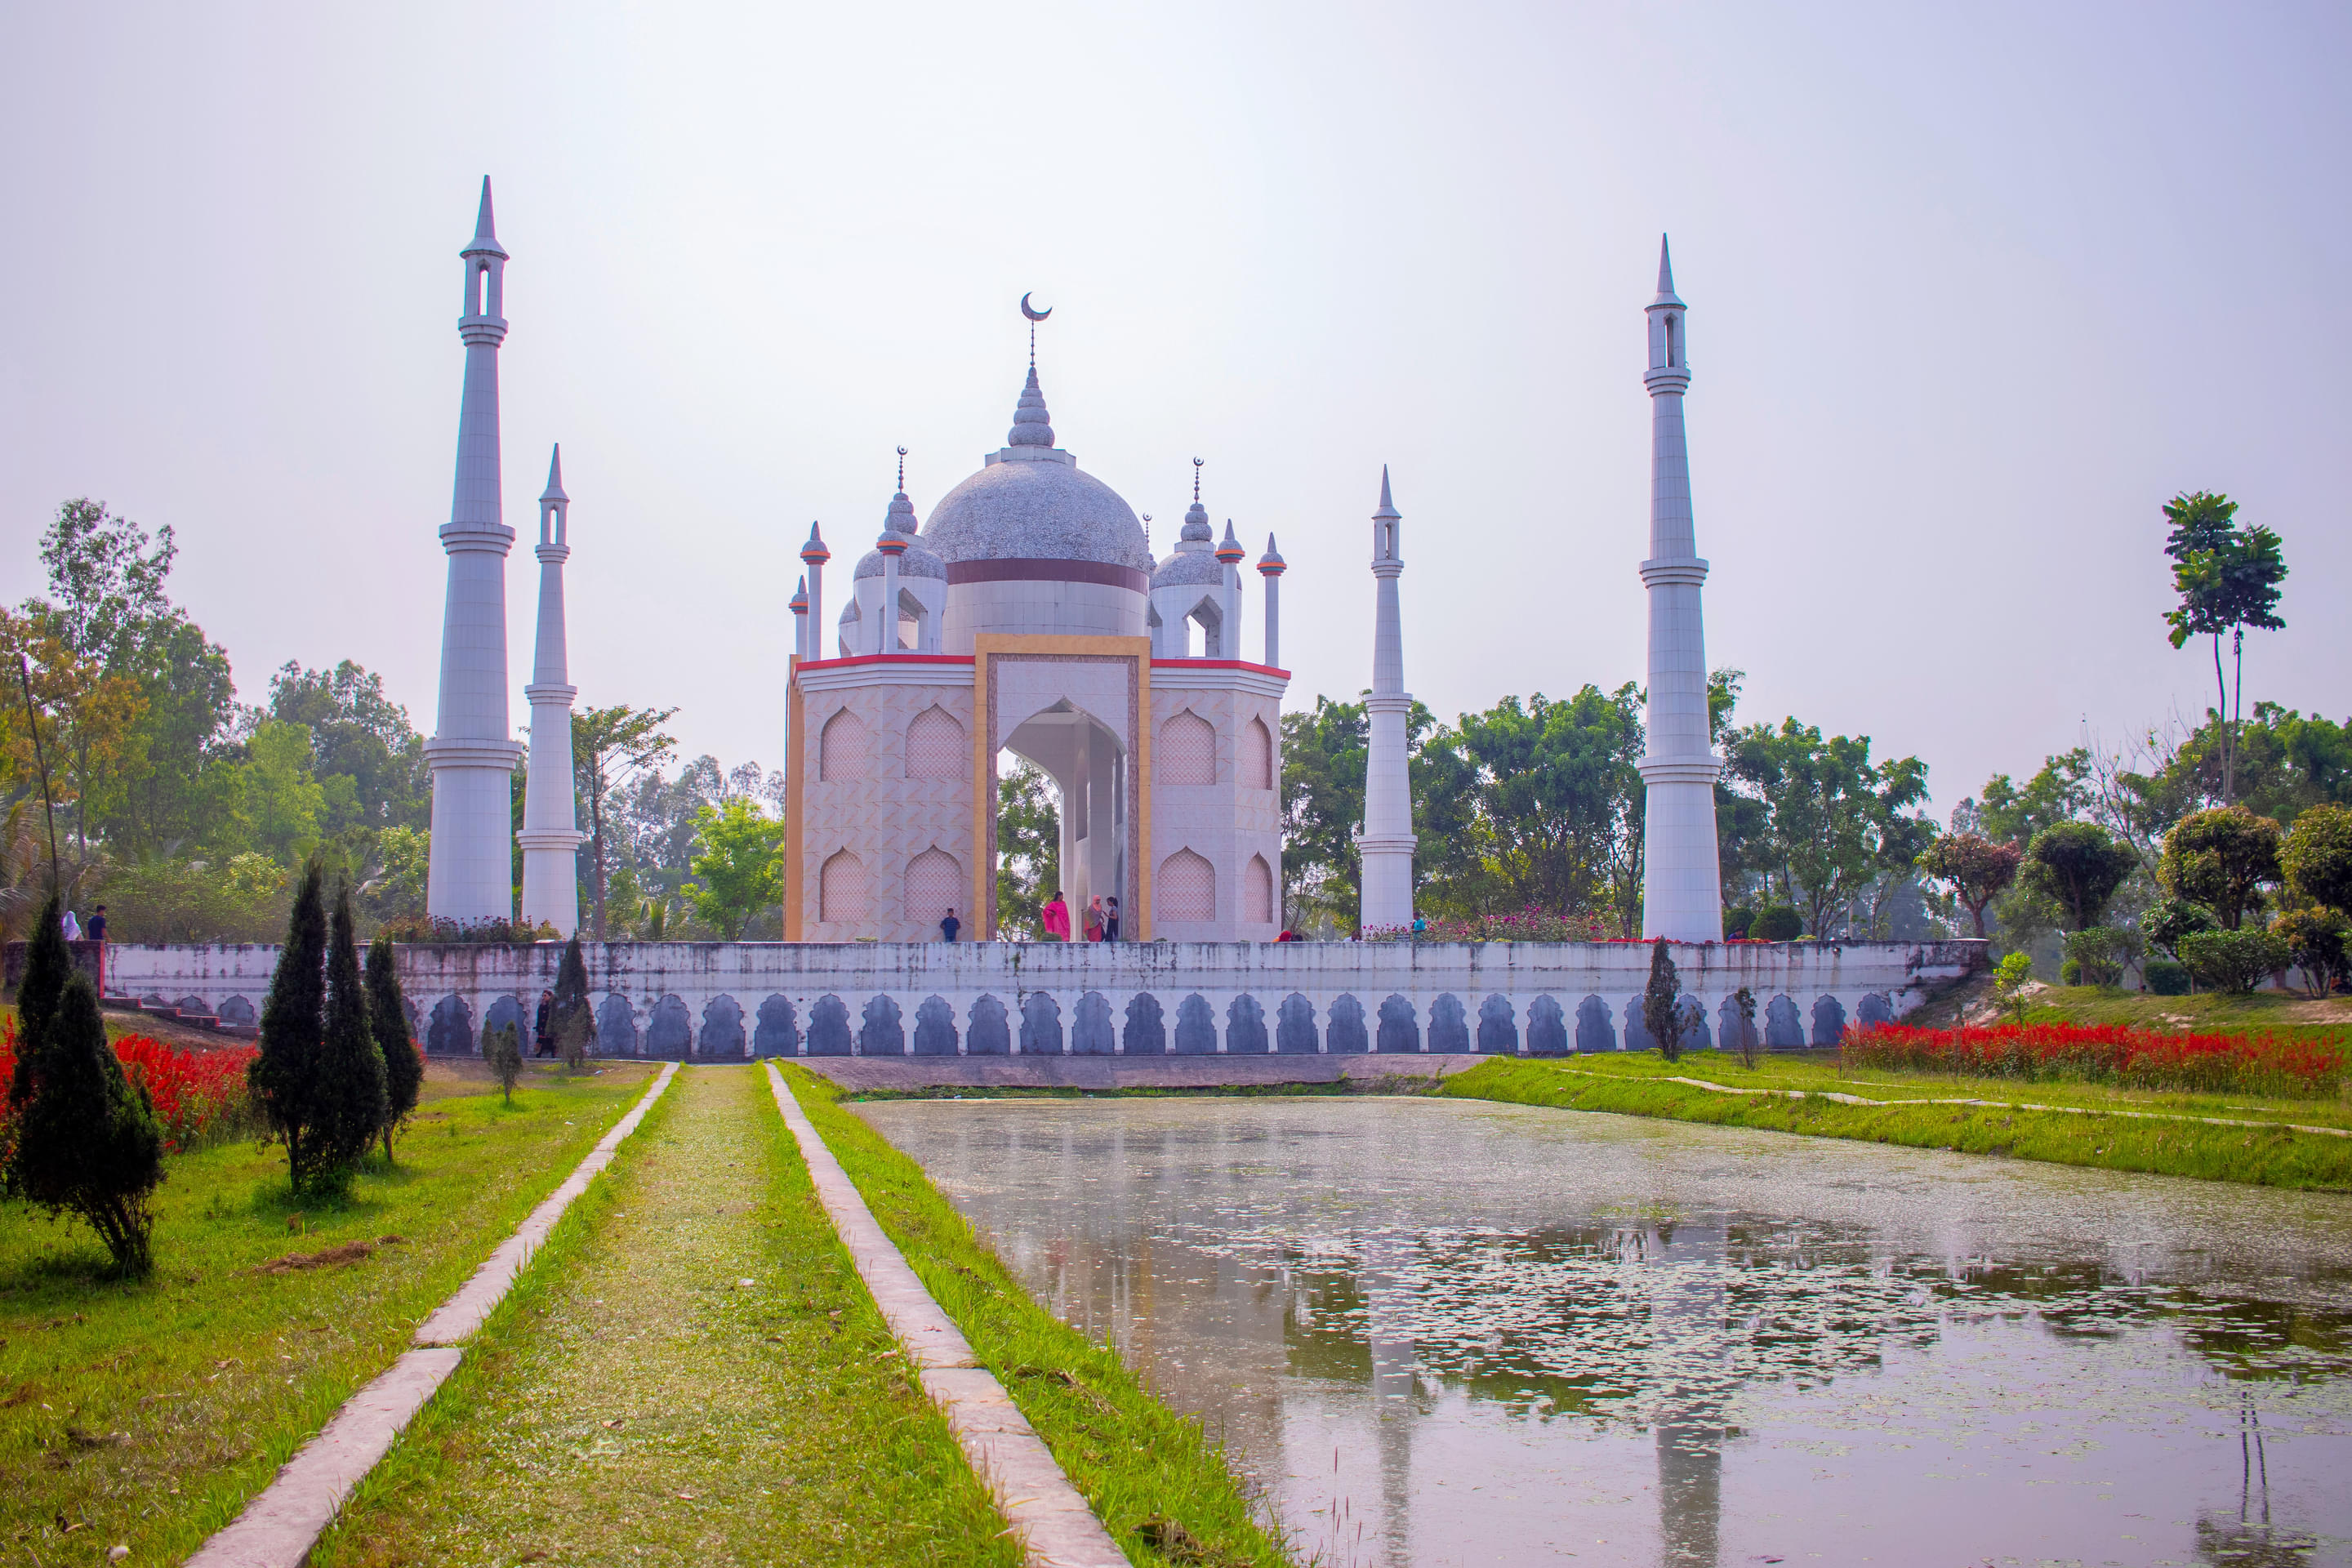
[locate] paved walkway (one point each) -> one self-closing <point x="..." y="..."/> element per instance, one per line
<point x="698" y="1379"/>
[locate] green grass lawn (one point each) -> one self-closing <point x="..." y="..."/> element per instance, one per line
<point x="691" y="1373"/>
<point x="2287" y="1013"/>
<point x="1635" y="1083"/>
<point x="1150" y="1475"/>
<point x="149" y="1414"/>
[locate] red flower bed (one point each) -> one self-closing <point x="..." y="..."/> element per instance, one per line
<point x="199" y="1095"/>
<point x="2107" y="1053"/>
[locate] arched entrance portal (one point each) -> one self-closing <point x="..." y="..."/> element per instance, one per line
<point x="1089" y="765"/>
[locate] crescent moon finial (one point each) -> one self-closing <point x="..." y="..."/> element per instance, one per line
<point x="1034" y="315"/>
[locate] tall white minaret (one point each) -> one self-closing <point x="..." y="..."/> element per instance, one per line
<point x="1682" y="881"/>
<point x="471" y="875"/>
<point x="814" y="555"/>
<point x="1386" y="840"/>
<point x="550" y="838"/>
<point x="1229" y="557"/>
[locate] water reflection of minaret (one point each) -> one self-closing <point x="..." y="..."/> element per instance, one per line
<point x="1687" y="1307"/>
<point x="1396" y="1388"/>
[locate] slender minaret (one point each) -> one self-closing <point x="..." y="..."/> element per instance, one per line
<point x="800" y="620"/>
<point x="471" y="875"/>
<point x="1386" y="840"/>
<point x="1270" y="567"/>
<point x="1229" y="553"/>
<point x="814" y="555"/>
<point x="1681" y="882"/>
<point x="550" y="839"/>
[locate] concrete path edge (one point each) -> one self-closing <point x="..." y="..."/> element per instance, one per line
<point x="1056" y="1527"/>
<point x="278" y="1527"/>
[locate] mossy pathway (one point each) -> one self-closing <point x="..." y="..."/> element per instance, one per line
<point x="691" y="1373"/>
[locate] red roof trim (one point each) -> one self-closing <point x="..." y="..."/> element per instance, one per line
<point x="1218" y="663"/>
<point x="962" y="658"/>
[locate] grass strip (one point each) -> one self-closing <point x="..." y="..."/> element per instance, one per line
<point x="690" y="1373"/>
<point x="149" y="1414"/>
<point x="2265" y="1156"/>
<point x="1151" y="1475"/>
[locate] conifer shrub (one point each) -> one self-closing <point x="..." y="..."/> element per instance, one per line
<point x="569" y="1018"/>
<point x="287" y="1076"/>
<point x="85" y="1140"/>
<point x="403" y="1066"/>
<point x="502" y="1049"/>
<point x="354" y="1104"/>
<point x="1660" y="1014"/>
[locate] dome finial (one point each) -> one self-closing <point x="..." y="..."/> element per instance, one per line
<point x="1196" y="481"/>
<point x="902" y="471"/>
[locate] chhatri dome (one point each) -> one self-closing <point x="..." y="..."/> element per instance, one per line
<point x="915" y="559"/>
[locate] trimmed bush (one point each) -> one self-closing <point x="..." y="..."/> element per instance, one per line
<point x="2222" y="858"/>
<point x="2315" y="941"/>
<point x="2167" y="977"/>
<point x="2235" y="961"/>
<point x="1777" y="923"/>
<point x="288" y="1076"/>
<point x="2317" y="856"/>
<point x="2100" y="955"/>
<point x="2070" y="972"/>
<point x="1737" y="920"/>
<point x="353" y="1103"/>
<point x="404" y="1069"/>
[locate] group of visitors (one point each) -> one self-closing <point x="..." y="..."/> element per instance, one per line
<point x="1101" y="921"/>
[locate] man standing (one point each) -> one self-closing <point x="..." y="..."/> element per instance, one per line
<point x="949" y="926"/>
<point x="543" y="1037"/>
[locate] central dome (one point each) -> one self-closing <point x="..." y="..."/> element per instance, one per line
<point x="1040" y="508"/>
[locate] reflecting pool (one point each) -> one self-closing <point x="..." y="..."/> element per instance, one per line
<point x="1441" y="1332"/>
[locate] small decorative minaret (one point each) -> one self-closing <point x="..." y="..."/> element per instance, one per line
<point x="800" y="620"/>
<point x="814" y="555"/>
<point x="1682" y="881"/>
<point x="1229" y="553"/>
<point x="1270" y="567"/>
<point x="470" y="875"/>
<point x="550" y="839"/>
<point x="1386" y="840"/>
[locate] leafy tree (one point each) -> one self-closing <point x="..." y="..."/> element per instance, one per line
<point x="2167" y="921"/>
<point x="1777" y="923"/>
<point x="353" y="1097"/>
<point x="2011" y="976"/>
<point x="2077" y="864"/>
<point x="86" y="725"/>
<point x="2227" y="581"/>
<point x="502" y="1049"/>
<point x="2315" y="857"/>
<point x="2101" y="953"/>
<point x="281" y="799"/>
<point x="611" y="748"/>
<point x="741" y="867"/>
<point x="2012" y="814"/>
<point x="569" y="1018"/>
<point x="404" y="1069"/>
<point x="86" y="1137"/>
<point x="1661" y="1003"/>
<point x="1029" y="847"/>
<point x="2315" y="942"/>
<point x="404" y="865"/>
<point x="1978" y="868"/>
<point x="2221" y="858"/>
<point x="285" y="1076"/>
<point x="1546" y="797"/>
<point x="1838" y="823"/>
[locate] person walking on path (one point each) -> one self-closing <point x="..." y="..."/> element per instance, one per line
<point x="1055" y="918"/>
<point x="949" y="926"/>
<point x="543" y="1037"/>
<point x="1094" y="919"/>
<point x="1110" y="921"/>
<point x="72" y="927"/>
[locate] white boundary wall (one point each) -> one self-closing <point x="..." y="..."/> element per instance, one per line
<point x="733" y="1000"/>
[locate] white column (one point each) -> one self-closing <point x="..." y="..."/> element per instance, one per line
<point x="1386" y="840"/>
<point x="550" y="839"/>
<point x="1681" y="882"/>
<point x="469" y="876"/>
<point x="814" y="555"/>
<point x="1269" y="567"/>
<point x="885" y="624"/>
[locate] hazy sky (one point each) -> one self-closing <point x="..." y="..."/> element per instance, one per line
<point x="1971" y="295"/>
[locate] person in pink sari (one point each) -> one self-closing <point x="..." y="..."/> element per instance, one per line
<point x="1055" y="918"/>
